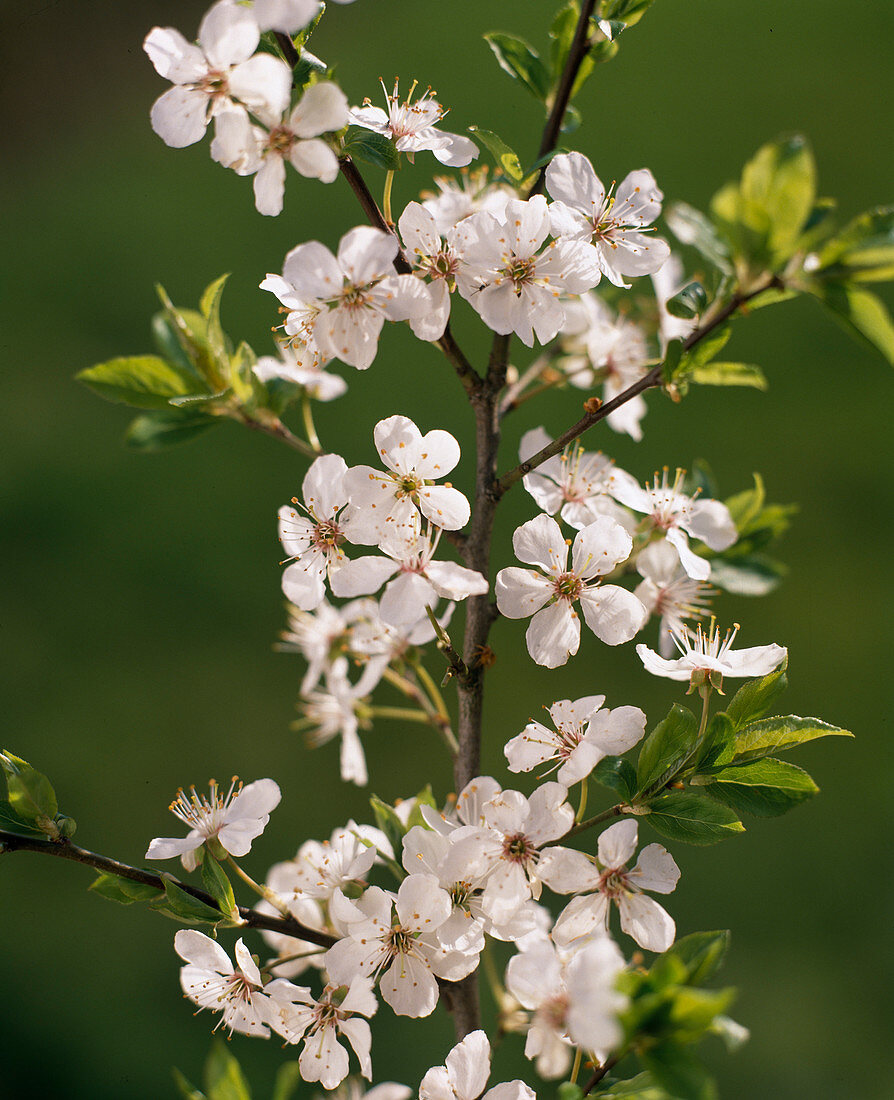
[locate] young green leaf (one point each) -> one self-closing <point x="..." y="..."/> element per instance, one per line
<point x="181" y="906"/>
<point x="765" y="788"/>
<point x="864" y="250"/>
<point x="157" y="430"/>
<point x="215" y="881"/>
<point x="641" y="1087"/>
<point x="691" y="819"/>
<point x="688" y="302"/>
<point x="141" y="381"/>
<point x="505" y="158"/>
<point x="371" y="148"/>
<point x="388" y="821"/>
<point x="665" y="748"/>
<point x="616" y="774"/>
<point x="692" y="227"/>
<point x="224" y="1079"/>
<point x="288" y="1078"/>
<point x="209" y="305"/>
<point x="751" y="575"/>
<point x="31" y="795"/>
<point x="729" y="374"/>
<point x="780" y="180"/>
<point x="678" y="1071"/>
<point x="702" y="953"/>
<point x="185" y="1088"/>
<point x="11" y="822"/>
<point x="860" y="313"/>
<point x="755" y="697"/>
<point x="122" y="890"/>
<point x="516" y="58"/>
<point x="777" y="734"/>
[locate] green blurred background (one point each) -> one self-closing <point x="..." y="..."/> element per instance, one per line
<point x="141" y="594"/>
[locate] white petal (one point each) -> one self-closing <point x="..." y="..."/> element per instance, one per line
<point x="599" y="547"/>
<point x="540" y="542"/>
<point x="612" y="613"/>
<point x="455" y="582"/>
<point x="263" y="83"/>
<point x="269" y="186"/>
<point x="406" y="598"/>
<point x="173" y="57"/>
<point x="468" y="1065"/>
<point x="566" y="871"/>
<point x="655" y="870"/>
<point x="521" y="592"/>
<point x="696" y="567"/>
<point x="196" y="948"/>
<point x="323" y="1058"/>
<point x="458" y="152"/>
<point x="710" y="521"/>
<point x="409" y="987"/>
<point x="323" y="108"/>
<point x="618" y="843"/>
<point x="553" y="635"/>
<point x="228" y="34"/>
<point x="314" y="160"/>
<point x="180" y="116"/>
<point x="570" y="179"/>
<point x="365" y="254"/>
<point x="645" y="920"/>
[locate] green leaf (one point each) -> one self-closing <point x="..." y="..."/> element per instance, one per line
<point x="717" y="736"/>
<point x="755" y="697"/>
<point x="371" y="148"/>
<point x="692" y="819"/>
<point x="424" y="798"/>
<point x="705" y="350"/>
<point x="625" y="11"/>
<point x="641" y="1087"/>
<point x="187" y="1090"/>
<point x="679" y="1072"/>
<point x="288" y="1078"/>
<point x="665" y="748"/>
<point x="388" y="821"/>
<point x="864" y="249"/>
<point x="183" y="907"/>
<point x="217" y="884"/>
<point x="692" y="227"/>
<point x="170" y="347"/>
<point x="744" y="506"/>
<point x="729" y="374"/>
<point x="702" y="953"/>
<point x="765" y="788"/>
<point x="31" y="794"/>
<point x="780" y="180"/>
<point x="562" y="34"/>
<point x="777" y="734"/>
<point x="224" y="1079"/>
<point x="142" y="381"/>
<point x="157" y="430"/>
<point x="860" y="313"/>
<point x="309" y="68"/>
<point x="753" y="575"/>
<point x="122" y="890"/>
<point x="516" y="58"/>
<point x="673" y="356"/>
<point x="209" y="306"/>
<point x="616" y="774"/>
<point x="693" y="1011"/>
<point x="246" y="387"/>
<point x="688" y="302"/>
<point x="569" y="1091"/>
<point x="10" y="822"/>
<point x="505" y="158"/>
<point x="191" y="330"/>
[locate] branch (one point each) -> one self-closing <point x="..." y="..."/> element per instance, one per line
<point x="277" y="430"/>
<point x="580" y="47"/>
<point x="600" y="1072"/>
<point x="64" y="849"/>
<point x="648" y="381"/>
<point x="287" y="46"/>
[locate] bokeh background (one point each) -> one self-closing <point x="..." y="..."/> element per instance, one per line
<point x="140" y="595"/>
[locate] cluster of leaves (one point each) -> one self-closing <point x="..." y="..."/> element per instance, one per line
<point x="31" y="808"/>
<point x="768" y="237"/>
<point x="196" y="380"/>
<point x="224" y="1079"/>
<point x="694" y="788"/>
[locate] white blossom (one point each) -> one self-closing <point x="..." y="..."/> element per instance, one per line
<point x="327" y="633"/>
<point x="611" y="348"/>
<point x="468" y="194"/>
<point x="614" y="224"/>
<point x="513" y="285"/>
<point x="419" y="581"/>
<point x="219" y="74"/>
<point x="573" y="1001"/>
<point x="296" y="1014"/>
<point x="576" y="483"/>
<point x="433" y="259"/>
<point x="297" y="954"/>
<point x="286" y="16"/>
<point x="412" y="126"/>
<point x="549" y="592"/>
<point x="300" y="363"/>
<point x="704" y="652"/>
<point x="465" y="1074"/>
<point x="403" y="954"/>
<point x="669" y="592"/>
<point x="233" y="820"/>
<point x="386" y="502"/>
<point x="567" y="871"/>
<point x="388" y="1090"/>
<point x="584" y="733"/>
<point x="334" y="713"/>
<point x="342" y="302"/>
<point x="210" y="980"/>
<point x="677" y="515"/>
<point x="313" y="542"/>
<point x="289" y="136"/>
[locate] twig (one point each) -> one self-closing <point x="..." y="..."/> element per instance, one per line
<point x="64" y="849"/>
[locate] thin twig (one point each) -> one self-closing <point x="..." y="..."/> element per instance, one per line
<point x="64" y="849"/>
<point x="277" y="430"/>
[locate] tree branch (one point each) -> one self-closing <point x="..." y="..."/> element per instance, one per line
<point x="64" y="849"/>
<point x="580" y="47"/>
<point x="648" y="381"/>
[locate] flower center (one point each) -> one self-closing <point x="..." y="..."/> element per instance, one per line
<point x="518" y="849"/>
<point x="280" y="140"/>
<point x="400" y="941"/>
<point x="554" y="1011"/>
<point x="521" y="271"/>
<point x="214" y="84"/>
<point x="568" y="586"/>
<point x="613" y="882"/>
<point x="569" y="739"/>
<point x="327" y="536"/>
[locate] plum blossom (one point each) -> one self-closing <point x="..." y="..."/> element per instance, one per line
<point x="286" y="16"/>
<point x="342" y="302"/>
<point x="292" y="137"/>
<point x="389" y="1090"/>
<point x="566" y="871"/>
<point x="573" y="1001"/>
<point x="232" y="820"/>
<point x="211" y="981"/>
<point x="297" y="954"/>
<point x="607" y="347"/>
<point x="419" y="581"/>
<point x="513" y="285"/>
<point x="412" y="126"/>
<point x="313" y="542"/>
<point x="434" y="259"/>
<point x="321" y="868"/>
<point x="404" y="954"/>
<point x="302" y="365"/>
<point x="296" y="1014"/>
<point x="584" y="733"/>
<point x="336" y="712"/>
<point x="469" y="807"/>
<point x="327" y="633"/>
<point x="465" y="1074"/>
<point x="577" y="483"/>
<point x="549" y="592"/>
<point x="219" y="74"/>
<point x="386" y="502"/>
<point x="614" y="223"/>
<point x="469" y="194"/>
<point x="512" y="832"/>
<point x="670" y="510"/>
<point x="703" y="655"/>
<point x="669" y="592"/>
